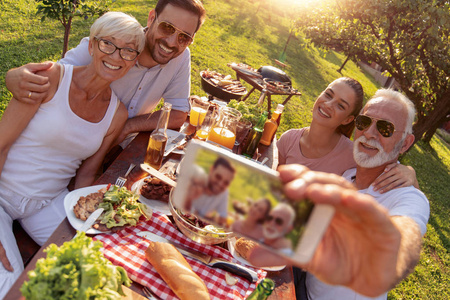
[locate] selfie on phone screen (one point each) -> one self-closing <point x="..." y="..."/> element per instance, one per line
<point x="235" y="194"/>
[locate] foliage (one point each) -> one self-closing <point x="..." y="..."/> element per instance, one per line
<point x="408" y="39"/>
<point x="65" y="10"/>
<point x="250" y="112"/>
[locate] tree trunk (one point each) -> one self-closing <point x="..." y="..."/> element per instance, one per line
<point x="432" y="130"/>
<point x="428" y="124"/>
<point x="343" y="65"/>
<point x="66" y="36"/>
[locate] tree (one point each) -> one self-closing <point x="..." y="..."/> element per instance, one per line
<point x="409" y="39"/>
<point x="65" y="10"/>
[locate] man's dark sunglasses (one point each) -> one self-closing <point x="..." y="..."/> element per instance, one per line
<point x="167" y="29"/>
<point x="279" y="221"/>
<point x="108" y="47"/>
<point x="385" y="128"/>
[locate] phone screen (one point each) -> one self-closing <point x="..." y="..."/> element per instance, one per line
<point x="232" y="192"/>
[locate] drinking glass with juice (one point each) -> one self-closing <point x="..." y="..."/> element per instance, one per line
<point x="199" y="108"/>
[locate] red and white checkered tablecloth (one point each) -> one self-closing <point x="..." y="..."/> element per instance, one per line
<point x="126" y="249"/>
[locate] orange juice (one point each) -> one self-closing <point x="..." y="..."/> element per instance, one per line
<point x="202" y="134"/>
<point x="222" y="136"/>
<point x="197" y="116"/>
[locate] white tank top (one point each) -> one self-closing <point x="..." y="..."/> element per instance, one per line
<point x="49" y="151"/>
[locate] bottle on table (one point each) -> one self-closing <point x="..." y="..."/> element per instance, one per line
<point x="271" y="126"/>
<point x="254" y="137"/>
<point x="158" y="139"/>
<point x="263" y="290"/>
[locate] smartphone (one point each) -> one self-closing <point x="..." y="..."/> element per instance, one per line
<point x="232" y="192"/>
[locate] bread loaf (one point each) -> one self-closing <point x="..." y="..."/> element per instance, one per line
<point x="243" y="247"/>
<point x="176" y="272"/>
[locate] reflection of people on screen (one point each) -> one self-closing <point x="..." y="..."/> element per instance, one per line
<point x="213" y="203"/>
<point x="252" y="225"/>
<point x="197" y="185"/>
<point x="279" y="222"/>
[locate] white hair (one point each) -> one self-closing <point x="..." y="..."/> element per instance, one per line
<point x="121" y="26"/>
<point x="391" y="95"/>
<point x="286" y="207"/>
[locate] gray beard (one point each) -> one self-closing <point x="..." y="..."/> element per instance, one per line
<point x="364" y="160"/>
<point x="271" y="236"/>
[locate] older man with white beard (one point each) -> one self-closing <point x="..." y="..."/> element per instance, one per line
<point x="277" y="225"/>
<point x="383" y="132"/>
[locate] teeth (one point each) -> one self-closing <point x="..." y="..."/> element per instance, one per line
<point x="369" y="147"/>
<point x="324" y="113"/>
<point x="111" y="66"/>
<point x="165" y="49"/>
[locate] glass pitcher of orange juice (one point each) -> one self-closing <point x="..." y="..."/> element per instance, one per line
<point x="224" y="131"/>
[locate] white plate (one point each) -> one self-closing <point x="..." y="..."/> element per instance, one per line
<point x="231" y="242"/>
<point x="158" y="205"/>
<point x="71" y="200"/>
<point x="171" y="135"/>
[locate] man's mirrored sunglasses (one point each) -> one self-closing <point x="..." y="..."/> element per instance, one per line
<point x="108" y="47"/>
<point x="166" y="29"/>
<point x="278" y="221"/>
<point x="385" y="128"/>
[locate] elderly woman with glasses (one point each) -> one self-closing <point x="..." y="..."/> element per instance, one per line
<point x="43" y="146"/>
<point x="326" y="146"/>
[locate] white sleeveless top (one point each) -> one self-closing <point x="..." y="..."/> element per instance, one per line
<point x="49" y="151"/>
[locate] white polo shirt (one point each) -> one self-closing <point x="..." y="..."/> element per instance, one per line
<point x="406" y="201"/>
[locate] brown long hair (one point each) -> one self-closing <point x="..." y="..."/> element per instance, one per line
<point x="194" y="6"/>
<point x="347" y="129"/>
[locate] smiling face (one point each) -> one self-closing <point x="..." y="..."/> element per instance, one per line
<point x="279" y="222"/>
<point x="110" y="66"/>
<point x="371" y="149"/>
<point x="159" y="48"/>
<point x="219" y="179"/>
<point x="259" y="209"/>
<point x="334" y="105"/>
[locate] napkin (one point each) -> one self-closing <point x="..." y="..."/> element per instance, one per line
<point x="127" y="249"/>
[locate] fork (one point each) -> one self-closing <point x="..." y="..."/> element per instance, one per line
<point x="121" y="180"/>
<point x="149" y="294"/>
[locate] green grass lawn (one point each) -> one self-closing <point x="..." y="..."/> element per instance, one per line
<point x="234" y="32"/>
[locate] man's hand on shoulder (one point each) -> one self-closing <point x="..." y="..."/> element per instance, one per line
<point x="26" y="85"/>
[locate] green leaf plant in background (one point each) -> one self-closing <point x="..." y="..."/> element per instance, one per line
<point x="65" y="10"/>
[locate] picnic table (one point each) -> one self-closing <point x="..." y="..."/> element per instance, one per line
<point x="134" y="153"/>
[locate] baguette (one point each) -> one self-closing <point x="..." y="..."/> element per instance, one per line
<point x="176" y="272"/>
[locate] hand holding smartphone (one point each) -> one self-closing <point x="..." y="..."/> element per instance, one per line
<point x="232" y="192"/>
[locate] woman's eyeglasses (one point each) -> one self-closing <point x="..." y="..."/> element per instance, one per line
<point x="279" y="221"/>
<point x="108" y="47"/>
<point x="385" y="128"/>
<point x="166" y="29"/>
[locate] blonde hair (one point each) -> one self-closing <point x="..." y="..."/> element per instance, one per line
<point x="121" y="26"/>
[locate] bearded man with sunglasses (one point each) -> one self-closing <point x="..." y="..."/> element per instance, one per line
<point x="374" y="240"/>
<point x="383" y="132"/>
<point x="162" y="71"/>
